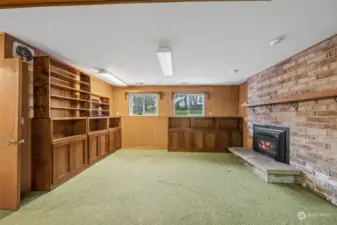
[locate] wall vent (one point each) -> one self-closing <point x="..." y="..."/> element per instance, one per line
<point x="25" y="53"/>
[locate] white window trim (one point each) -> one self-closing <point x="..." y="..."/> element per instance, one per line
<point x="131" y="106"/>
<point x="184" y="93"/>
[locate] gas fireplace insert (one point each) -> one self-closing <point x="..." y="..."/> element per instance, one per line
<point x="272" y="141"/>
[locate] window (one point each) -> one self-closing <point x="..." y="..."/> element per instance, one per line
<point x="189" y="104"/>
<point x="143" y="104"/>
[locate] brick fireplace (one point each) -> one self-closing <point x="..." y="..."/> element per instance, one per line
<point x="312" y="124"/>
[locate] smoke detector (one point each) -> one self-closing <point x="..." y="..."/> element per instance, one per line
<point x="277" y="40"/>
<point x="234" y="71"/>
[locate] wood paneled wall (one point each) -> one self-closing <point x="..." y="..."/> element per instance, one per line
<point x="151" y="132"/>
<point x="144" y="132"/>
<point x="222" y="101"/>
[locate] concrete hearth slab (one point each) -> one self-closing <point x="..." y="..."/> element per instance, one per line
<point x="266" y="168"/>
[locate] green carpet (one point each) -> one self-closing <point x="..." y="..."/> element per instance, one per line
<point x="150" y="187"/>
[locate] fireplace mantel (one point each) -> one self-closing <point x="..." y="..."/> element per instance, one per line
<point x="294" y="99"/>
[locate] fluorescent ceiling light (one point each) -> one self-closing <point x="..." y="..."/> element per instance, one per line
<point x="109" y="76"/>
<point x="165" y="60"/>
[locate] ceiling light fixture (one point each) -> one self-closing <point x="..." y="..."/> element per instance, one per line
<point x="165" y="60"/>
<point x="277" y="40"/>
<point x="111" y="77"/>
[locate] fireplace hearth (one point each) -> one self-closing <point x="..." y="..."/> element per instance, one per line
<point x="272" y="141"/>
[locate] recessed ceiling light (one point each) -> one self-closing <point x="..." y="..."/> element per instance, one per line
<point x="277" y="40"/>
<point x="165" y="60"/>
<point x="111" y="77"/>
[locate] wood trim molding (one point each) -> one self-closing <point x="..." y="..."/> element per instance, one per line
<point x="43" y="3"/>
<point x="296" y="98"/>
<point x="207" y="93"/>
<point x="159" y="93"/>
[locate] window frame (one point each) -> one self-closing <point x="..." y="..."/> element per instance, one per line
<point x="191" y="94"/>
<point x="130" y="99"/>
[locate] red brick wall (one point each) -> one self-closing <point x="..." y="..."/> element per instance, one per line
<point x="314" y="127"/>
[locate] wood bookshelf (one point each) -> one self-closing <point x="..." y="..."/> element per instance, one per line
<point x="71" y="124"/>
<point x="69" y="98"/>
<point x="60" y="90"/>
<point x="62" y="97"/>
<point x="100" y="106"/>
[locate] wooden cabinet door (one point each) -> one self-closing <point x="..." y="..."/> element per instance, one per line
<point x="174" y="140"/>
<point x="222" y="140"/>
<point x="112" y="141"/>
<point x="236" y="139"/>
<point x="199" y="141"/>
<point x="103" y="144"/>
<point x="61" y="161"/>
<point x="80" y="153"/>
<point x="187" y="141"/>
<point x="93" y="148"/>
<point x="118" y="139"/>
<point x="210" y="141"/>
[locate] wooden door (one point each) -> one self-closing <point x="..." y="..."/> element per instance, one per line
<point x="10" y="133"/>
<point x="62" y="161"/>
<point x="79" y="153"/>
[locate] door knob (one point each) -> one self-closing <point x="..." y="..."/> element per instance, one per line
<point x="12" y="142"/>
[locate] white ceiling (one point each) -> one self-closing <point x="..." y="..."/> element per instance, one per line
<point x="208" y="39"/>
